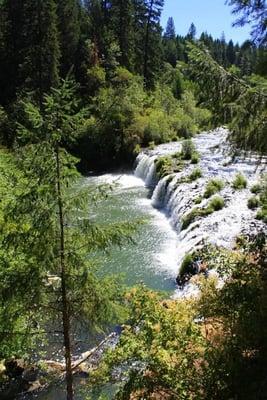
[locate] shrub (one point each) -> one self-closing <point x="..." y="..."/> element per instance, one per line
<point x="198" y="200"/>
<point x="253" y="202"/>
<point x="195" y="158"/>
<point x="256" y="189"/>
<point x="186" y="265"/>
<point x="239" y="182"/>
<point x="195" y="174"/>
<point x="151" y="145"/>
<point x="164" y="166"/>
<point x="216" y="203"/>
<point x="262" y="215"/>
<point x="212" y="187"/>
<point x="188" y="148"/>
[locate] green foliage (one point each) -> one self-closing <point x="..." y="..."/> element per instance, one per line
<point x="195" y="157"/>
<point x="253" y="202"/>
<point x="239" y="182"/>
<point x="215" y="204"/>
<point x="212" y="187"/>
<point x="164" y="166"/>
<point x="256" y="189"/>
<point x="186" y="264"/>
<point x="195" y="174"/>
<point x="164" y="349"/>
<point x="188" y="149"/>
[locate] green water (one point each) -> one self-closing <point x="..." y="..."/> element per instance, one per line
<point x="151" y="260"/>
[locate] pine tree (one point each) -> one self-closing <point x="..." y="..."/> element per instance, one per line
<point x="192" y="32"/>
<point x="122" y="15"/>
<point x="68" y="12"/>
<point x="41" y="223"/>
<point x="230" y="53"/>
<point x="252" y="12"/>
<point x="152" y="38"/>
<point x="170" y="29"/>
<point x="31" y="46"/>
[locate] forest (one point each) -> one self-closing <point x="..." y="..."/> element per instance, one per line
<point x="89" y="87"/>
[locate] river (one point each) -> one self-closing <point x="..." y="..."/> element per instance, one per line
<point x="160" y="243"/>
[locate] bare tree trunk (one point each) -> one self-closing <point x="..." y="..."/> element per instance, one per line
<point x="64" y="295"/>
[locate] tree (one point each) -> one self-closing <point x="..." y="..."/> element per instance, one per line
<point x="68" y="12"/>
<point x="32" y="49"/>
<point x="252" y="12"/>
<point x="52" y="244"/>
<point x="230" y="53"/>
<point x="192" y="32"/>
<point x="170" y="29"/>
<point x="232" y="100"/>
<point x="152" y="38"/>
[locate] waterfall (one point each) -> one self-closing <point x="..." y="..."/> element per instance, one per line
<point x="146" y="169"/>
<point x="177" y="199"/>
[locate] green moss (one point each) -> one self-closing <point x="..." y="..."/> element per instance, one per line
<point x="239" y="182"/>
<point x="212" y="187"/>
<point x="186" y="265"/>
<point x="253" y="202"/>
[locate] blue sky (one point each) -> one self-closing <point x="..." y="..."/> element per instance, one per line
<point x="212" y="16"/>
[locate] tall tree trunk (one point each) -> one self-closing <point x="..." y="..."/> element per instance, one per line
<point x="64" y="295"/>
<point x="147" y="40"/>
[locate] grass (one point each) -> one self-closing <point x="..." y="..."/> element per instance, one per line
<point x="215" y="204"/>
<point x="256" y="189"/>
<point x="253" y="202"/>
<point x="195" y="174"/>
<point x="195" y="158"/>
<point x="212" y="187"/>
<point x="239" y="182"/>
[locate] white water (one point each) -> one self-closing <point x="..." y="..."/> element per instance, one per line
<point x="221" y="227"/>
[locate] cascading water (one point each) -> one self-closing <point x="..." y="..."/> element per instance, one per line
<point x="177" y="199"/>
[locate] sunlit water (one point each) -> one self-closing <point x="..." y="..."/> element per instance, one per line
<point x="160" y="245"/>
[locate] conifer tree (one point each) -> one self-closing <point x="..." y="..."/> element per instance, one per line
<point x="41" y="226"/>
<point x="170" y="29"/>
<point x="68" y="12"/>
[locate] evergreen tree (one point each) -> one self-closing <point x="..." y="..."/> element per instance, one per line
<point x="192" y="32"/>
<point x="31" y="47"/>
<point x="230" y="53"/>
<point x="170" y="29"/>
<point x="152" y="38"/>
<point x="68" y="12"/>
<point x="122" y="14"/>
<point x="252" y="12"/>
<point x="40" y="225"/>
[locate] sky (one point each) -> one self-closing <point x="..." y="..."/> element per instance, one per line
<point x="212" y="16"/>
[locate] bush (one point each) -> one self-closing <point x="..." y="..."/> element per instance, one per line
<point x="186" y="265"/>
<point x="195" y="158"/>
<point x="164" y="166"/>
<point x="188" y="148"/>
<point x="256" y="189"/>
<point x="217" y="203"/>
<point x="195" y="174"/>
<point x="212" y="187"/>
<point x="262" y="215"/>
<point x="253" y="202"/>
<point x="151" y="145"/>
<point x="239" y="182"/>
<point x="198" y="200"/>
